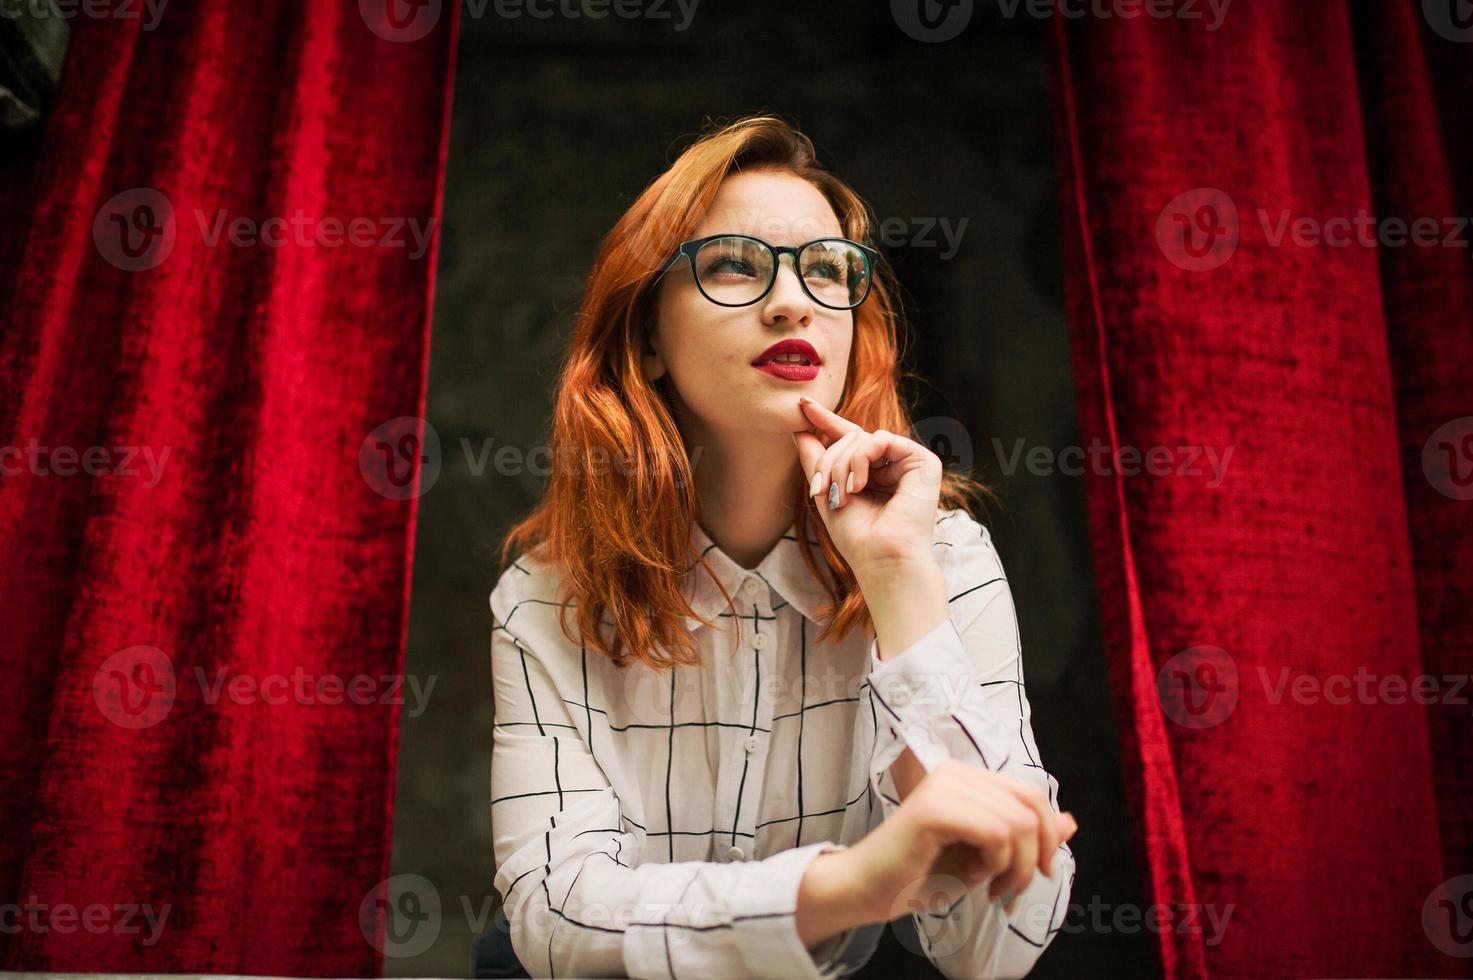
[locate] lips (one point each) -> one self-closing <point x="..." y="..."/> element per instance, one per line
<point x="801" y="348"/>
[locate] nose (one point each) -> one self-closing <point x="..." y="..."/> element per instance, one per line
<point x="787" y="299"/>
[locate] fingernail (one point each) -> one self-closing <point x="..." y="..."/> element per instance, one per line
<point x="816" y="486"/>
<point x="803" y="399"/>
<point x="849" y="484"/>
<point x="834" y="495"/>
<point x="794" y="437"/>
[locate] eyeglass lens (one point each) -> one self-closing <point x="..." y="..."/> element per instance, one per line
<point x="737" y="271"/>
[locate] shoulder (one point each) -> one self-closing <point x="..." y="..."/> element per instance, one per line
<point x="527" y="602"/>
<point x="956" y="528"/>
<point x="969" y="561"/>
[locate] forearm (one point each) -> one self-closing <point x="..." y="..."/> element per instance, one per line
<point x="906" y="601"/>
<point x="828" y="900"/>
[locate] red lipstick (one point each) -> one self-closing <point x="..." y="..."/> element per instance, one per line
<point x="801" y="364"/>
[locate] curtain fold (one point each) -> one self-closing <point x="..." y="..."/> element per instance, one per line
<point x="217" y="277"/>
<point x="1206" y="178"/>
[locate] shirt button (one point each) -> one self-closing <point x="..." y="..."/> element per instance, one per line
<point x="751" y="586"/>
<point x="752" y="743"/>
<point x="900" y="692"/>
<point x="735" y="853"/>
<point x="759" y="641"/>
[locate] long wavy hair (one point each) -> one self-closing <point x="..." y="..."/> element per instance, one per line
<point x="619" y="536"/>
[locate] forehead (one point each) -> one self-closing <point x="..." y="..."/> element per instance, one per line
<point x="777" y="206"/>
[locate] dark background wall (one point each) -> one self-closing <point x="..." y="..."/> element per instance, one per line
<point x="558" y="124"/>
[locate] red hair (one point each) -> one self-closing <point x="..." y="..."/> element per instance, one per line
<point x="618" y="536"/>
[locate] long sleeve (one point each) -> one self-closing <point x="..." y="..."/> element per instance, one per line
<point x="579" y="899"/>
<point x="958" y="693"/>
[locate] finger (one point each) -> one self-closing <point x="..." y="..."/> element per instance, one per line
<point x="977" y="825"/>
<point x="843" y="467"/>
<point x="1047" y="827"/>
<point x="1022" y="824"/>
<point x="824" y="477"/>
<point x="810" y="450"/>
<point x="1002" y="817"/>
<point x="882" y="446"/>
<point x="829" y="423"/>
<point x="1067" y="825"/>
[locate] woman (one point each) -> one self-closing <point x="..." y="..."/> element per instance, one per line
<point x="761" y="736"/>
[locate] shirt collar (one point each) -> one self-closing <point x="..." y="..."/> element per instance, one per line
<point x="782" y="569"/>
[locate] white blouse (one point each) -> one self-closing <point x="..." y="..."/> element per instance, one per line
<point x="658" y="825"/>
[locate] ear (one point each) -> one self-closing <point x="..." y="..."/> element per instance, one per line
<point x="654" y="367"/>
<point x="653" y="361"/>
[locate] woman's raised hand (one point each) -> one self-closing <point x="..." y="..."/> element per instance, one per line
<point x="878" y="491"/>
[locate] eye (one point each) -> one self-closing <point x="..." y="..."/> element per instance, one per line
<point x="730" y="266"/>
<point x="826" y="271"/>
<point x="825" y="266"/>
<point x="731" y="260"/>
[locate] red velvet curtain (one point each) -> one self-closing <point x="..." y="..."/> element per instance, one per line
<point x="216" y="281"/>
<point x="1338" y="543"/>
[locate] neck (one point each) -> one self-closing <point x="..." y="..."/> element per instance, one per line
<point x="745" y="482"/>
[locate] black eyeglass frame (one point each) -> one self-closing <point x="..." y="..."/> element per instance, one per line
<point x="688" y="250"/>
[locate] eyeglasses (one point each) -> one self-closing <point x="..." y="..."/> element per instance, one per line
<point x="738" y="270"/>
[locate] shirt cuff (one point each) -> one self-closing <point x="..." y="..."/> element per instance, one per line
<point x="764" y="907"/>
<point x="929" y="679"/>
